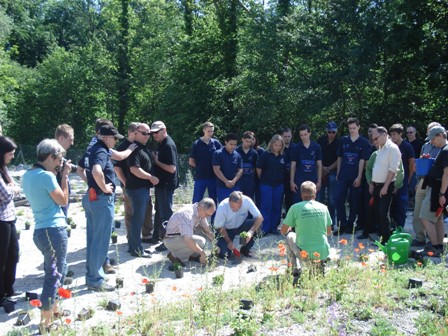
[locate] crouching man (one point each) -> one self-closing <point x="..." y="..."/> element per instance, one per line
<point x="180" y="238"/>
<point x="311" y="222"/>
<point x="231" y="219"/>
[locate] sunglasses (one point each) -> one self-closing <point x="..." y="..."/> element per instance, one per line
<point x="144" y="133"/>
<point x="375" y="139"/>
<point x="331" y="132"/>
<point x="157" y="132"/>
<point x="409" y="132"/>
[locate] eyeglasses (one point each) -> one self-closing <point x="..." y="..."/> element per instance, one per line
<point x="375" y="139"/>
<point x="409" y="132"/>
<point x="144" y="133"/>
<point x="331" y="132"/>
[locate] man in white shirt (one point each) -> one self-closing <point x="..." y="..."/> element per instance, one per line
<point x="231" y="219"/>
<point x="383" y="175"/>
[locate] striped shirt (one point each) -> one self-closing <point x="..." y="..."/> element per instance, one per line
<point x="7" y="209"/>
<point x="184" y="221"/>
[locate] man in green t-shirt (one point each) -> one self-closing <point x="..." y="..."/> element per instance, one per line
<point x="311" y="222"/>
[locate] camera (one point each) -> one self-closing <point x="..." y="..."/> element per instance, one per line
<point x="73" y="167"/>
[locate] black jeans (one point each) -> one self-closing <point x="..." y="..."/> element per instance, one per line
<point x="9" y="256"/>
<point x="381" y="210"/>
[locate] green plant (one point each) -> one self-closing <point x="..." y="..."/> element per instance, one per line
<point x="218" y="279"/>
<point x="177" y="266"/>
<point x="19" y="213"/>
<point x="114" y="234"/>
<point x="244" y="235"/>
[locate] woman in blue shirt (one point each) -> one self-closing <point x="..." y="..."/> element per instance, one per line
<point x="271" y="168"/>
<point x="50" y="236"/>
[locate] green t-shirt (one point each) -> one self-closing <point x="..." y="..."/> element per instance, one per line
<point x="310" y="220"/>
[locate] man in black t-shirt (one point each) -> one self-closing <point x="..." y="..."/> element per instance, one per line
<point x="166" y="168"/>
<point x="139" y="180"/>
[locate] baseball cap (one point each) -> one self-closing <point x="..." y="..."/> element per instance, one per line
<point x="434" y="131"/>
<point x="331" y="126"/>
<point x="110" y="130"/>
<point x="157" y="126"/>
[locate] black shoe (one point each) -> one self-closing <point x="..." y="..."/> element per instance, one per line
<point x="362" y="236"/>
<point x="102" y="288"/>
<point x="416" y="242"/>
<point x="142" y="254"/>
<point x="161" y="248"/>
<point x="153" y="241"/>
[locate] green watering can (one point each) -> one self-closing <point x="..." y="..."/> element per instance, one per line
<point x="397" y="248"/>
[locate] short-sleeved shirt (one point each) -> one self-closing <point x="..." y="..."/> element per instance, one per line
<point x="273" y="168"/>
<point x="351" y="152"/>
<point x="185" y="220"/>
<point x="329" y="150"/>
<point x="202" y="153"/>
<point x="121" y="147"/>
<point x="228" y="219"/>
<point x="167" y="154"/>
<point x="93" y="141"/>
<point x="407" y="153"/>
<point x="140" y="158"/>
<point x="229" y="163"/>
<point x="249" y="161"/>
<point x="440" y="163"/>
<point x="99" y="154"/>
<point x="306" y="161"/>
<point x="417" y="144"/>
<point x="37" y="185"/>
<point x="310" y="220"/>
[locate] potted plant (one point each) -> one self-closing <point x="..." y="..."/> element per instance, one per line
<point x="243" y="237"/>
<point x="27" y="225"/>
<point x="178" y="270"/>
<point x="85" y="314"/>
<point x="18" y="234"/>
<point x="114" y="237"/>
<point x="149" y="285"/>
<point x="23" y="318"/>
<point x="117" y="224"/>
<point x="69" y="231"/>
<point x="71" y="222"/>
<point x="218" y="279"/>
<point x="119" y="282"/>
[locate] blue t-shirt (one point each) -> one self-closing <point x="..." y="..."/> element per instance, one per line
<point x="99" y="154"/>
<point x="249" y="161"/>
<point x="407" y="152"/>
<point x="202" y="153"/>
<point x="37" y="186"/>
<point x="351" y="152"/>
<point x="229" y="163"/>
<point x="306" y="162"/>
<point x="273" y="168"/>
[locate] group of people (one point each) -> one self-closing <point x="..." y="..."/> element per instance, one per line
<point x="247" y="188"/>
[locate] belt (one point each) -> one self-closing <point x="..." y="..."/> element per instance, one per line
<point x="172" y="235"/>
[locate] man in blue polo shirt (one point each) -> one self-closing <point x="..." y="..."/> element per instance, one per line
<point x="353" y="152"/>
<point x="400" y="198"/>
<point x="306" y="163"/>
<point x="228" y="167"/>
<point x="250" y="158"/>
<point x="201" y="156"/>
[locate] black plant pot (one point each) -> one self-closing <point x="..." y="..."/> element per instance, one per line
<point x="84" y="314"/>
<point x="149" y="287"/>
<point x="23" y="319"/>
<point x="27" y="226"/>
<point x="9" y="306"/>
<point x="73" y="226"/>
<point x="251" y="269"/>
<point x="119" y="283"/>
<point x="246" y="304"/>
<point x="114" y="239"/>
<point x="117" y="224"/>
<point x="113" y="305"/>
<point x="31" y="296"/>
<point x="242" y="241"/>
<point x="179" y="273"/>
<point x="415" y="283"/>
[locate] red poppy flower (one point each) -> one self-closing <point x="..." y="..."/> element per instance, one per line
<point x="343" y="242"/>
<point x="361" y="246"/>
<point x="316" y="254"/>
<point x="64" y="293"/>
<point x="119" y="312"/>
<point x="371" y="250"/>
<point x="430" y="253"/>
<point x="145" y="281"/>
<point x="281" y="245"/>
<point x="132" y="293"/>
<point x="273" y="269"/>
<point x="174" y="288"/>
<point x="363" y="264"/>
<point x="356" y="249"/>
<point x="36" y="303"/>
<point x="303" y="254"/>
<point x="68" y="321"/>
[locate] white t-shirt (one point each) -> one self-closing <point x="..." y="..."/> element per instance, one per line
<point x="229" y="219"/>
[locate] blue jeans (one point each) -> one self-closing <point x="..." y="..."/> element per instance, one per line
<point x="400" y="203"/>
<point x="329" y="187"/>
<point x="222" y="244"/>
<point x="340" y="194"/>
<point x="271" y="206"/>
<point x="99" y="218"/>
<point x="139" y="199"/>
<point x="199" y="189"/>
<point x="52" y="242"/>
<point x="224" y="192"/>
<point x="164" y="210"/>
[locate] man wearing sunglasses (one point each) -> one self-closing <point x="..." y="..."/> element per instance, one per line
<point x="166" y="168"/>
<point x="329" y="144"/>
<point x="139" y="180"/>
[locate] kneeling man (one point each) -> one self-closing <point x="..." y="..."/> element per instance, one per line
<point x="231" y="219"/>
<point x="311" y="222"/>
<point x="180" y="239"/>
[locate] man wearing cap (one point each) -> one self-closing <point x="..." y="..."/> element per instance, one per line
<point x="329" y="144"/>
<point x="436" y="193"/>
<point x="138" y="182"/>
<point x="428" y="149"/>
<point x="167" y="170"/>
<point x="98" y="204"/>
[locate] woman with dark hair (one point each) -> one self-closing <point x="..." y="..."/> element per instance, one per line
<point x="50" y="235"/>
<point x="9" y="245"/>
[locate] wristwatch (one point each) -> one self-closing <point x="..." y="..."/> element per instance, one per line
<point x="441" y="194"/>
